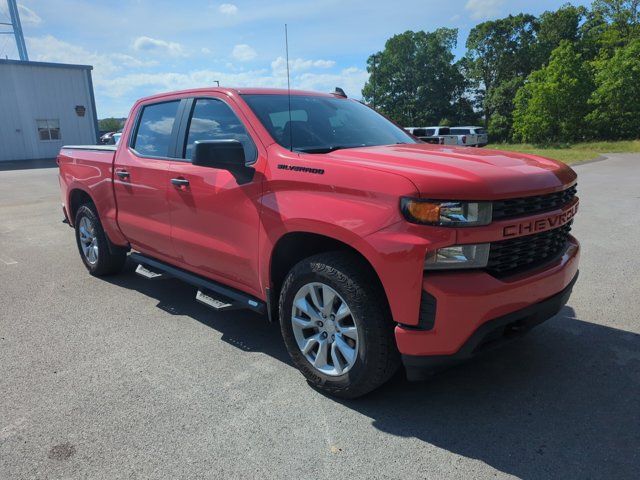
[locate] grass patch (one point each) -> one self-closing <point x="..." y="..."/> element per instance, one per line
<point x="578" y="152"/>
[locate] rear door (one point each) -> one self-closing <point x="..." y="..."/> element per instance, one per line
<point x="141" y="178"/>
<point x="215" y="216"/>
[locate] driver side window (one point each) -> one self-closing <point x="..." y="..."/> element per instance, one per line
<point x="213" y="119"/>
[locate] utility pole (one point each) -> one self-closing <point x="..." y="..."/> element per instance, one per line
<point x="16" y="29"/>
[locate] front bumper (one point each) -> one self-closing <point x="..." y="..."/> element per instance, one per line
<point x="474" y="309"/>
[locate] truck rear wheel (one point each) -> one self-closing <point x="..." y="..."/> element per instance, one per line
<point x="336" y="325"/>
<point x="98" y="256"/>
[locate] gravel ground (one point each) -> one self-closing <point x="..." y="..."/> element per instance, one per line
<point x="127" y="378"/>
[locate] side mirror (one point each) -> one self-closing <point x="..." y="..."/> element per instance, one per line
<point x="223" y="154"/>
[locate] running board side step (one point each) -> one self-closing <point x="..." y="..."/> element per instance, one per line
<point x="215" y="303"/>
<point x="148" y="274"/>
<point x="210" y="293"/>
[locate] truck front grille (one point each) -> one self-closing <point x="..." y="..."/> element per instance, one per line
<point x="517" y="255"/>
<point x="518" y="207"/>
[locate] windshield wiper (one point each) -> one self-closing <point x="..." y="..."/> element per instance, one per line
<point x="332" y="148"/>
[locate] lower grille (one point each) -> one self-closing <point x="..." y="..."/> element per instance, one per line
<point x="517" y="255"/>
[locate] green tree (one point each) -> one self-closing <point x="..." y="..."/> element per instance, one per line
<point x="623" y="17"/>
<point x="499" y="100"/>
<point x="414" y="80"/>
<point x="616" y="100"/>
<point x="110" y="124"/>
<point x="499" y="51"/>
<point x="610" y="24"/>
<point x="556" y="26"/>
<point x="553" y="103"/>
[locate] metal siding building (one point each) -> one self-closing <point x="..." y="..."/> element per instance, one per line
<point x="44" y="106"/>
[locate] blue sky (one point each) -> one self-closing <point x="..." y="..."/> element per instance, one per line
<point x="141" y="47"/>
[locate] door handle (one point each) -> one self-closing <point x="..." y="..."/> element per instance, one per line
<point x="180" y="182"/>
<point x="122" y="174"/>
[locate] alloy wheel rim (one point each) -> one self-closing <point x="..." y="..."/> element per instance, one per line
<point x="324" y="329"/>
<point x="88" y="240"/>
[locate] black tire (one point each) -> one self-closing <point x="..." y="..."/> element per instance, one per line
<point x="110" y="258"/>
<point x="377" y="356"/>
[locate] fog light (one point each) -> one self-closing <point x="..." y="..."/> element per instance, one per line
<point x="458" y="256"/>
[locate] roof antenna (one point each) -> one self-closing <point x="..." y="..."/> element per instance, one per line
<point x="286" y="44"/>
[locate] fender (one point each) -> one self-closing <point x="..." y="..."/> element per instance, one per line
<point x="270" y="238"/>
<point x="345" y="203"/>
<point x="395" y="253"/>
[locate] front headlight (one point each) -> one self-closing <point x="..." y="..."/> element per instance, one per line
<point x="451" y="214"/>
<point x="458" y="256"/>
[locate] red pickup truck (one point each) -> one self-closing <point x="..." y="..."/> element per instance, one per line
<point x="371" y="248"/>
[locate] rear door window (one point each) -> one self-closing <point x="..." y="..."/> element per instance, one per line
<point x="460" y="131"/>
<point x="155" y="127"/>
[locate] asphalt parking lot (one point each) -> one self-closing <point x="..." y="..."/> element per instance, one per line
<point x="127" y="378"/>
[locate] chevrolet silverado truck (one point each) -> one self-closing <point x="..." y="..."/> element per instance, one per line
<point x="370" y="248"/>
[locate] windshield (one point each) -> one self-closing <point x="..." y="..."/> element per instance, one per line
<point x="323" y="124"/>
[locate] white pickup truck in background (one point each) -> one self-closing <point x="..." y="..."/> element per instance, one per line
<point x="470" y="136"/>
<point x="435" y="135"/>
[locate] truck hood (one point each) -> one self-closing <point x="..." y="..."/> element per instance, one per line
<point x="463" y="173"/>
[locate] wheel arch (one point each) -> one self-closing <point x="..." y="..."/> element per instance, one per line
<point x="77" y="197"/>
<point x="295" y="246"/>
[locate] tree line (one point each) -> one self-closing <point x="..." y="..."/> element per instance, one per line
<point x="564" y="76"/>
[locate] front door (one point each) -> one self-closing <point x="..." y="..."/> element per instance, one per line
<point x="214" y="215"/>
<point x="142" y="179"/>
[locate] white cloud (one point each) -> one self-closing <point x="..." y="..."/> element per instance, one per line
<point x="228" y="9"/>
<point x="28" y="16"/>
<point x="129" y="61"/>
<point x="121" y="78"/>
<point x="158" y="47"/>
<point x="279" y="65"/>
<point x="205" y="50"/>
<point x="351" y="80"/>
<point x="51" y="49"/>
<point x="480" y="9"/>
<point x="243" y="52"/>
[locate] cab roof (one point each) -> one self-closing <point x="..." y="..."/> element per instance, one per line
<point x="241" y="91"/>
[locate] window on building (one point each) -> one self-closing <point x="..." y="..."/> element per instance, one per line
<point x="49" y="129"/>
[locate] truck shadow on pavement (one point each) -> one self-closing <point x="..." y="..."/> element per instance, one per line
<point x="245" y="330"/>
<point x="562" y="402"/>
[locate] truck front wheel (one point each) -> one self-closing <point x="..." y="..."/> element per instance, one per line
<point x="336" y="325"/>
<point x="98" y="256"/>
